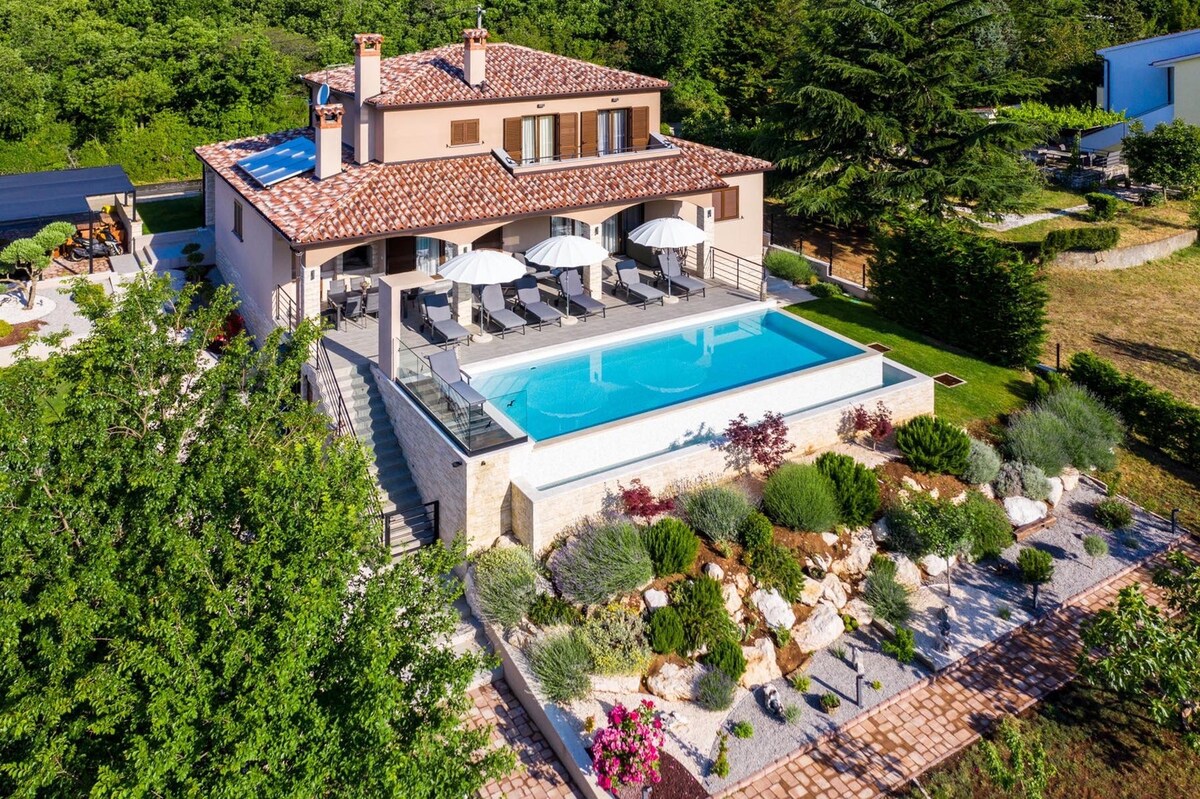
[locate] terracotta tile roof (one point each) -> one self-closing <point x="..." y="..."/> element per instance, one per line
<point x="436" y="76"/>
<point x="373" y="199"/>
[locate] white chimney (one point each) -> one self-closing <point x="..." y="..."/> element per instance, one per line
<point x="475" y="56"/>
<point x="327" y="136"/>
<point x="366" y="85"/>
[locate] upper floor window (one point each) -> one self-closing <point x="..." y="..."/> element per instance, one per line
<point x="725" y="203"/>
<point x="237" y="219"/>
<point x="563" y="226"/>
<point x="612" y="131"/>
<point x="537" y="139"/>
<point x="464" y="131"/>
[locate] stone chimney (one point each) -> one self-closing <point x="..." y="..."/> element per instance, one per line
<point x="327" y="135"/>
<point x="475" y="56"/>
<point x="367" y="47"/>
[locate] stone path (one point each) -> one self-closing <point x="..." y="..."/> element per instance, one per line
<point x="539" y="773"/>
<point x="934" y="719"/>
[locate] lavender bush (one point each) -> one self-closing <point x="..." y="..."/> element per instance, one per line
<point x="601" y="563"/>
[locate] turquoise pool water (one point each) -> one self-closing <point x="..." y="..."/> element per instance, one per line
<point x="556" y="396"/>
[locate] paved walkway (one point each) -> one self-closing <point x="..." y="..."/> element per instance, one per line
<point x="539" y="774"/>
<point x="934" y="719"/>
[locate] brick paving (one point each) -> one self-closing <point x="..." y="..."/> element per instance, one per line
<point x="922" y="726"/>
<point x="539" y="774"/>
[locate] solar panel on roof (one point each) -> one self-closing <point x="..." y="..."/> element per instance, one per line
<point x="281" y="162"/>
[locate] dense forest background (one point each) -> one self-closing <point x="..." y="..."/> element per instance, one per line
<point x="141" y="82"/>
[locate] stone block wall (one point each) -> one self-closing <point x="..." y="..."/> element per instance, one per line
<point x="1126" y="257"/>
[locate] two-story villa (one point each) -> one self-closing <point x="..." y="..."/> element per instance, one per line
<point x="416" y="159"/>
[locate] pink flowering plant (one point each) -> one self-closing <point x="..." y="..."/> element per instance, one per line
<point x="627" y="751"/>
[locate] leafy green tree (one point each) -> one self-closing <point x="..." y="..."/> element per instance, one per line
<point x="195" y="598"/>
<point x="1036" y="567"/>
<point x="874" y="113"/>
<point x="948" y="539"/>
<point x="1027" y="770"/>
<point x="23" y="91"/>
<point x="32" y="255"/>
<point x="1168" y="156"/>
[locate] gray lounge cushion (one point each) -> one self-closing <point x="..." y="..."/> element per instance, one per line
<point x="530" y="298"/>
<point x="492" y="300"/>
<point x="445" y="368"/>
<point x="437" y="313"/>
<point x="631" y="279"/>
<point x="571" y="287"/>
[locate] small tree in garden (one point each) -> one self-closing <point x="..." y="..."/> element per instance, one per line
<point x="628" y="751"/>
<point x="1027" y="767"/>
<point x="33" y="255"/>
<point x="875" y="425"/>
<point x="764" y="442"/>
<point x="1167" y="156"/>
<point x="639" y="502"/>
<point x="1037" y="567"/>
<point x="948" y="539"/>
<point x="1095" y="547"/>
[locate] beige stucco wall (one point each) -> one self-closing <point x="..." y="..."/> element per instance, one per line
<point x="255" y="264"/>
<point x="413" y="133"/>
<point x="1187" y="91"/>
<point x="744" y="236"/>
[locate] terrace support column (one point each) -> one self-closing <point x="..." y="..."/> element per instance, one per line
<point x="460" y="304"/>
<point x="308" y="295"/>
<point x="706" y="221"/>
<point x="593" y="274"/>
<point x="390" y="325"/>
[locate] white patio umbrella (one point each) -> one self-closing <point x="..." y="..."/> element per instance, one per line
<point x="566" y="252"/>
<point x="482" y="268"/>
<point x="666" y="233"/>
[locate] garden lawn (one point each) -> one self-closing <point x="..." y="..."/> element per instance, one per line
<point x="178" y="213"/>
<point x="1100" y="749"/>
<point x="989" y="391"/>
<point x="1137" y="226"/>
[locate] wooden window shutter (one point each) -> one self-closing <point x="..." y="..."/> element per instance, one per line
<point x="568" y="135"/>
<point x="472" y="132"/>
<point x="588" y="133"/>
<point x="726" y="204"/>
<point x="464" y="131"/>
<point x="512" y="138"/>
<point x="640" y="125"/>
<point x="456" y="134"/>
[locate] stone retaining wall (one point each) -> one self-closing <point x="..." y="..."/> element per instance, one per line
<point x="1126" y="257"/>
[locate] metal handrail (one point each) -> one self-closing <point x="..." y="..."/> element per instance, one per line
<point x="289" y="309"/>
<point x="736" y="271"/>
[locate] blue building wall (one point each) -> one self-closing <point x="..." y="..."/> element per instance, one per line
<point x="1132" y="85"/>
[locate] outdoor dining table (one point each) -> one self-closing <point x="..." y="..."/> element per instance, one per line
<point x="339" y="301"/>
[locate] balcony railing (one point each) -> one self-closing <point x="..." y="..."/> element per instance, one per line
<point x="656" y="148"/>
<point x="476" y="427"/>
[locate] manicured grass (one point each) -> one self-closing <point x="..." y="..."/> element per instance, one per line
<point x="1138" y="225"/>
<point x="179" y="213"/>
<point x="1053" y="198"/>
<point x="1100" y="749"/>
<point x="989" y="391"/>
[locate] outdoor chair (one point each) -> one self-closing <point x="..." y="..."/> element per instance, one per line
<point x="444" y="366"/>
<point x="529" y="298"/>
<point x="671" y="271"/>
<point x="630" y="279"/>
<point x="352" y="307"/>
<point x="570" y="288"/>
<point x="436" y="314"/>
<point x="337" y="286"/>
<point x="372" y="306"/>
<point x="493" y="309"/>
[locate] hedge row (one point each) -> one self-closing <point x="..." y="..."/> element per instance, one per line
<point x="1087" y="239"/>
<point x="1166" y="423"/>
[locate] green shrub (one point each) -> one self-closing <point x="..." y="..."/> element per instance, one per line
<point x="963" y="288"/>
<point x="1008" y="481"/>
<point x="983" y="463"/>
<point x="1034" y="483"/>
<point x="563" y="665"/>
<point x="903" y="647"/>
<point x="717" y="511"/>
<point x="991" y="532"/>
<point x="889" y="600"/>
<point x="1094" y="430"/>
<point x="672" y="546"/>
<point x="616" y="638"/>
<point x="715" y="691"/>
<point x="1046" y="383"/>
<point x="1095" y="546"/>
<point x="825" y="290"/>
<point x="830" y="701"/>
<point x="1113" y="513"/>
<point x="791" y="714"/>
<point x="854" y="486"/>
<point x="742" y="729"/>
<point x="1166" y="423"/>
<point x="701" y="610"/>
<point x="548" y="610"/>
<point x="800" y="497"/>
<point x="666" y="630"/>
<point x="1035" y="565"/>
<point x="910" y="523"/>
<point x="601" y="563"/>
<point x="801" y="683"/>
<point x="1104" y="207"/>
<point x="756" y="531"/>
<point x="727" y="656"/>
<point x="774" y="566"/>
<point x="849" y="622"/>
<point x="789" y="266"/>
<point x="1153" y="199"/>
<point x="933" y="445"/>
<point x="720" y="766"/>
<point x="782" y="636"/>
<point x="1039" y="438"/>
<point x="505" y="579"/>
<point x="6" y="329"/>
<point x="1087" y="239"/>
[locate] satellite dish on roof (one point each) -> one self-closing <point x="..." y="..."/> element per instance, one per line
<point x="322" y="94"/>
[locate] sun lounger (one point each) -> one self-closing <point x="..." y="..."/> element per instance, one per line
<point x="436" y="312"/>
<point x="670" y="270"/>
<point x="529" y="297"/>
<point x="444" y="366"/>
<point x="570" y="288"/>
<point x="630" y="279"/>
<point x="493" y="309"/>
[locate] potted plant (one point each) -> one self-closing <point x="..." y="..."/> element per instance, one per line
<point x="628" y="751"/>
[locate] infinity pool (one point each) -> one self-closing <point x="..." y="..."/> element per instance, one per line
<point x="556" y="396"/>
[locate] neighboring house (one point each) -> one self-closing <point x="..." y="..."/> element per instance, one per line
<point x="1152" y="80"/>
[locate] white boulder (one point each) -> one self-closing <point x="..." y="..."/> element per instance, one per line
<point x="880" y="531"/>
<point x="861" y="611"/>
<point x="812" y="591"/>
<point x="654" y="599"/>
<point x="674" y="683"/>
<point x="761" y="665"/>
<point x="907" y="572"/>
<point x="820" y="629"/>
<point x="830" y="539"/>
<point x="777" y="611"/>
<point x="1022" y="511"/>
<point x="714" y="571"/>
<point x="834" y="591"/>
<point x="935" y="565"/>
<point x="742" y="581"/>
<point x="862" y="549"/>
<point x="959" y="498"/>
<point x="910" y="483"/>
<point x="987" y="490"/>
<point x="1056" y="490"/>
<point x="1070" y="478"/>
<point x="933" y="492"/>
<point x="733" y="600"/>
<point x="624" y="684"/>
